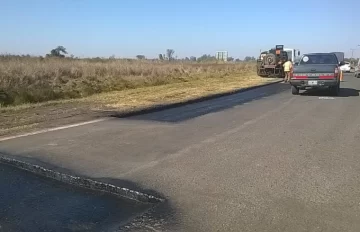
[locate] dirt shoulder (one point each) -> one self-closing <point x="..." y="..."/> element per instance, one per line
<point x="27" y="118"/>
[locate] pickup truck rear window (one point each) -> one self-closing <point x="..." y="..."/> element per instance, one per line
<point x="318" y="59"/>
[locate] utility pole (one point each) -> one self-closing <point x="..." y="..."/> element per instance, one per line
<point x="352" y="52"/>
<point x="352" y="55"/>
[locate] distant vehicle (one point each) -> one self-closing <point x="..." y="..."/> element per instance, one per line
<point x="317" y="70"/>
<point x="270" y="63"/>
<point x="357" y="69"/>
<point x="293" y="54"/>
<point x="346" y="67"/>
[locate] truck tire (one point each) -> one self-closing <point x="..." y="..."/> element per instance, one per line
<point x="335" y="90"/>
<point x="294" y="90"/>
<point x="270" y="59"/>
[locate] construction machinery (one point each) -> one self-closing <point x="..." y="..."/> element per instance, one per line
<point x="270" y="63"/>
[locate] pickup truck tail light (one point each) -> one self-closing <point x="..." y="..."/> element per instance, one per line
<point x="299" y="76"/>
<point x="336" y="71"/>
<point x="314" y="75"/>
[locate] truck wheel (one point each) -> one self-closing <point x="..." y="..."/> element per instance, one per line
<point x="335" y="90"/>
<point x="294" y="90"/>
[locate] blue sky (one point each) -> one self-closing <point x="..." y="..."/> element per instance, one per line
<point x="126" y="28"/>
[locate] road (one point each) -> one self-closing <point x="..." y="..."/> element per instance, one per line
<point x="32" y="203"/>
<point x="262" y="160"/>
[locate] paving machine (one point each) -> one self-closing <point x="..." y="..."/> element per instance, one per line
<point x="270" y="63"/>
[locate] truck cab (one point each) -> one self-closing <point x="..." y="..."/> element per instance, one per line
<point x="293" y="54"/>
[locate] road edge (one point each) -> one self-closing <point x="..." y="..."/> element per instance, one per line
<point x="107" y="114"/>
<point x="81" y="181"/>
<point x="161" y="107"/>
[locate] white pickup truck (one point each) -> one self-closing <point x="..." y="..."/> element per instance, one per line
<point x="293" y="54"/>
<point x="346" y="67"/>
<point x="357" y="70"/>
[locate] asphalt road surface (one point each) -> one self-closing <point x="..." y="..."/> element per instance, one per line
<point x="32" y="203"/>
<point x="262" y="160"/>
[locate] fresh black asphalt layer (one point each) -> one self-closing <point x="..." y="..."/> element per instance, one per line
<point x="31" y="203"/>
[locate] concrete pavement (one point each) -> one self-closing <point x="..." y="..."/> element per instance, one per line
<point x="262" y="160"/>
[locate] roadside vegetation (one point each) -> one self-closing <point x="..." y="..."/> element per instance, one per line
<point x="36" y="79"/>
<point x="38" y="92"/>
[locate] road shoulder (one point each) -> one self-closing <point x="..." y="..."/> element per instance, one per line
<point x="29" y="118"/>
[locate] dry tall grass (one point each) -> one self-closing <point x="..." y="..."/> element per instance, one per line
<point x="31" y="79"/>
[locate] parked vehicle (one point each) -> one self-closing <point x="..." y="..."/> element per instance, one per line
<point x="317" y="70"/>
<point x="357" y="69"/>
<point x="293" y="54"/>
<point x="346" y="67"/>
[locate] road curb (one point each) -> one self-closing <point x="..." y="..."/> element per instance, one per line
<point x="81" y="182"/>
<point x="160" y="107"/>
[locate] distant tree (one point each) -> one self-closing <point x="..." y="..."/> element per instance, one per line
<point x="112" y="57"/>
<point x="161" y="57"/>
<point x="192" y="58"/>
<point x="353" y="61"/>
<point x="249" y="58"/>
<point x="56" y="52"/>
<point x="170" y="53"/>
<point x="140" y="57"/>
<point x="230" y="59"/>
<point x="237" y="60"/>
<point x="206" y="57"/>
<point x="187" y="58"/>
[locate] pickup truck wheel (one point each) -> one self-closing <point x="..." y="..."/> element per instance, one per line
<point x="335" y="90"/>
<point x="294" y="90"/>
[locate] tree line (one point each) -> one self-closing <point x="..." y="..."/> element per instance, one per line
<point x="61" y="52"/>
<point x="169" y="55"/>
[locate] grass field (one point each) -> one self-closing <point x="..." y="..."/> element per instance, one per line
<point x="33" y="80"/>
<point x="49" y="92"/>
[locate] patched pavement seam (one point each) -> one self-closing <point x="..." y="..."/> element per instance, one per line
<point x="82" y="182"/>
